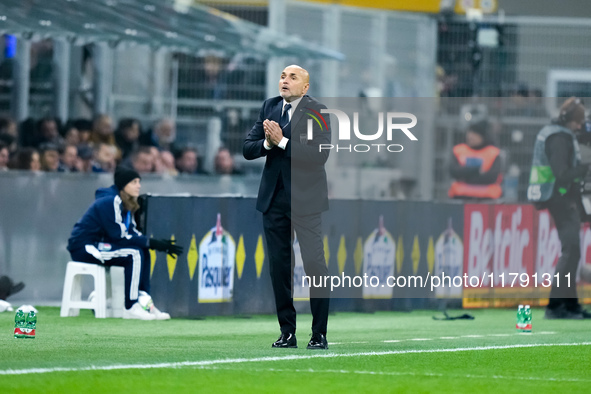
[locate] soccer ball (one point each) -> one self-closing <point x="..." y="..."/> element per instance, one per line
<point x="145" y="301"/>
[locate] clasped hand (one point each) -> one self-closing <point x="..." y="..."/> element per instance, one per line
<point x="273" y="132"/>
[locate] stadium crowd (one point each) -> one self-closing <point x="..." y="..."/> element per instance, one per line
<point x="95" y="146"/>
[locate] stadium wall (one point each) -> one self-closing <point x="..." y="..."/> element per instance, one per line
<point x="508" y="248"/>
<point x="225" y="270"/>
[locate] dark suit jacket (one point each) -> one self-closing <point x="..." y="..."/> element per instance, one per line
<point x="301" y="164"/>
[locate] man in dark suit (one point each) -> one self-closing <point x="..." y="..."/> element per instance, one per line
<point x="292" y="196"/>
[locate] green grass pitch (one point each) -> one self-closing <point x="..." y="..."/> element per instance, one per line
<point x="380" y="352"/>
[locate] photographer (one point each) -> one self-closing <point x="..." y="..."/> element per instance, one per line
<point x="555" y="184"/>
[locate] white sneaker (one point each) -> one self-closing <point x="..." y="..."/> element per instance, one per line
<point x="137" y="312"/>
<point x="158" y="314"/>
<point x="5" y="306"/>
<point x="146" y="302"/>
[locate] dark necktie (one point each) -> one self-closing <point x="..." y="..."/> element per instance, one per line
<point x="285" y="117"/>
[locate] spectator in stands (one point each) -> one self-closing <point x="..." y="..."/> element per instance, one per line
<point x="213" y="82"/>
<point x="28" y="135"/>
<point x="26" y="158"/>
<point x="48" y="132"/>
<point x="127" y="136"/>
<point x="142" y="160"/>
<point x="476" y="166"/>
<point x="8" y="126"/>
<point x="187" y="161"/>
<point x="49" y="157"/>
<point x="107" y="235"/>
<point x="102" y="131"/>
<point x="71" y="135"/>
<point x="158" y="167"/>
<point x="161" y="136"/>
<point x="4" y="156"/>
<point x="85" y="155"/>
<point x="10" y="142"/>
<point x="167" y="165"/>
<point x="224" y="163"/>
<point x="69" y="161"/>
<point x="104" y="157"/>
<point x="84" y="127"/>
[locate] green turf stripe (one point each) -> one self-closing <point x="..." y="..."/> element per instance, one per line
<point x="392" y="373"/>
<point x="278" y="358"/>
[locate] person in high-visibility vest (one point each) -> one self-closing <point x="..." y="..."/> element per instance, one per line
<point x="555" y="184"/>
<point x="476" y="166"/>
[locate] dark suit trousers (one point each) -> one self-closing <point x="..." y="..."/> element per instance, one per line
<point x="279" y="224"/>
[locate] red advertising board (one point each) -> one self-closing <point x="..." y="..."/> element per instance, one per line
<point x="513" y="249"/>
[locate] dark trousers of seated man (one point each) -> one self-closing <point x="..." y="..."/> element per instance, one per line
<point x="135" y="263"/>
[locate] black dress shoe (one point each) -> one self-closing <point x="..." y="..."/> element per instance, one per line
<point x="286" y="340"/>
<point x="318" y="341"/>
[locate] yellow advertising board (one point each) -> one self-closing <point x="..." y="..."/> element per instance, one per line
<point x="426" y="6"/>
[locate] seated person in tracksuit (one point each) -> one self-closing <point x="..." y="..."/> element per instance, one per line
<point x="107" y="234"/>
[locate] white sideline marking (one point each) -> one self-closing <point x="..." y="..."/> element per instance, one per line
<point x="346" y="343"/>
<point x="276" y="358"/>
<point x="391" y="373"/>
<point x="462" y="336"/>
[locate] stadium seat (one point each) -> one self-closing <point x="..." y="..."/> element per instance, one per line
<point x="108" y="300"/>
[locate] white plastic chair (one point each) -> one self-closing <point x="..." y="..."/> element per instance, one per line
<point x="109" y="287"/>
